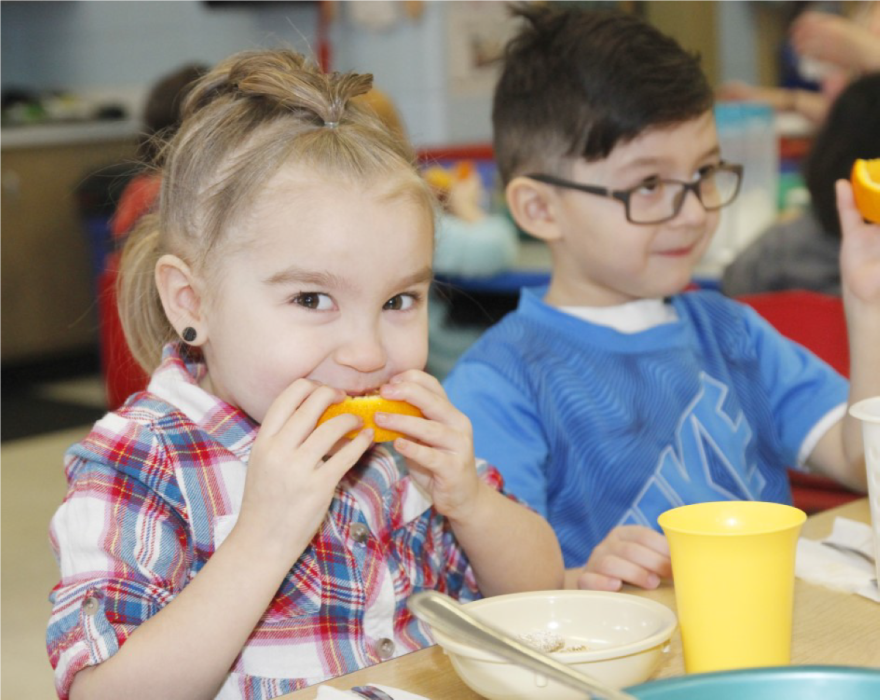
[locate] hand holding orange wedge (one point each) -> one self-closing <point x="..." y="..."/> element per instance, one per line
<point x="865" y="181"/>
<point x="366" y="407"/>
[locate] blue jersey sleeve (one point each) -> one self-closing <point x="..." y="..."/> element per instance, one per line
<point x="802" y="388"/>
<point x="507" y="431"/>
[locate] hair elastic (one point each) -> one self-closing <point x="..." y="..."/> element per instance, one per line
<point x="331" y="125"/>
<point x="189" y="334"/>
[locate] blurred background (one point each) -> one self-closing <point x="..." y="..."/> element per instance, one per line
<point x="75" y="76"/>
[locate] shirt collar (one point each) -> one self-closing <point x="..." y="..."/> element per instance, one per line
<point x="631" y="317"/>
<point x="177" y="381"/>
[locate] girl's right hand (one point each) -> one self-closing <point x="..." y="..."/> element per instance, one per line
<point x="290" y="477"/>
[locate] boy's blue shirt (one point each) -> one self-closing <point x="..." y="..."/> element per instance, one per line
<point x="595" y="428"/>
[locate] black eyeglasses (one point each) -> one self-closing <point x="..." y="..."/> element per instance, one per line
<point x="657" y="200"/>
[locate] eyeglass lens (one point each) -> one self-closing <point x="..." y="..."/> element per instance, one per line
<point x="663" y="199"/>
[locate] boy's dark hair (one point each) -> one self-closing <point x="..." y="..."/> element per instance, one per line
<point x="851" y="130"/>
<point x="577" y="82"/>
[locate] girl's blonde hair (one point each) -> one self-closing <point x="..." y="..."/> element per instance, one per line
<point x="254" y="113"/>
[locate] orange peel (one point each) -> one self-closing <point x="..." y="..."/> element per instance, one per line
<point x="366" y="407"/>
<point x="865" y="181"/>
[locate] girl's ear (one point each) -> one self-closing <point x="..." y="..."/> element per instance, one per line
<point x="532" y="206"/>
<point x="180" y="297"/>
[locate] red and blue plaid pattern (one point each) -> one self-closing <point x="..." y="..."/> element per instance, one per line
<point x="156" y="487"/>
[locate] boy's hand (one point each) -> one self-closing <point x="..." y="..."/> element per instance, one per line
<point x="860" y="249"/>
<point x="290" y="478"/>
<point x="439" y="448"/>
<point x="629" y="554"/>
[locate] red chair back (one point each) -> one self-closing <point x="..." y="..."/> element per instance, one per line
<point x="123" y="376"/>
<point x="817" y="322"/>
<point x="814" y="320"/>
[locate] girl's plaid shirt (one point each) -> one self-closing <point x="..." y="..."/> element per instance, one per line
<point x="156" y="487"/>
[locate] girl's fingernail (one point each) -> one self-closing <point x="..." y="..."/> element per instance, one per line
<point x="390" y="390"/>
<point x="380" y="417"/>
<point x="368" y="433"/>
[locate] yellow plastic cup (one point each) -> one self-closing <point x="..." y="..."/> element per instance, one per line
<point x="733" y="567"/>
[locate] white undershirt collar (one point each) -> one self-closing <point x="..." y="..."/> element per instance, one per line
<point x="631" y="317"/>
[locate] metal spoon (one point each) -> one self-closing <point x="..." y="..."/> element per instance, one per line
<point x="449" y="617"/>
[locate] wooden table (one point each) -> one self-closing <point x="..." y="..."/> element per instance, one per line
<point x="829" y="628"/>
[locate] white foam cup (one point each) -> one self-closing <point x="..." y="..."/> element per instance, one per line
<point x="868" y="411"/>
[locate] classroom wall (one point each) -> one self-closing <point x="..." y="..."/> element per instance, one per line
<point x="117" y="48"/>
<point x="407" y="61"/>
<point x="87" y="44"/>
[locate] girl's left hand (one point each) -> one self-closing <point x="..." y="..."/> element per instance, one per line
<point x="439" y="448"/>
<point x="860" y="249"/>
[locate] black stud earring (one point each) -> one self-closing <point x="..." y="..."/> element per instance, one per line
<point x="189" y="334"/>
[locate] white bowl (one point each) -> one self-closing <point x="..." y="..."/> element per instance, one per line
<point x="626" y="638"/>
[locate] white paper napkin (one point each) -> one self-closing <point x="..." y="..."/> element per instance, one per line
<point x="328" y="693"/>
<point x="818" y="563"/>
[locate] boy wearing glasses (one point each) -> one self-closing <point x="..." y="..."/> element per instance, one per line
<point x="610" y="395"/>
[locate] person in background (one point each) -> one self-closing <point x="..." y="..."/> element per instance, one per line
<point x="161" y="119"/>
<point x="612" y="395"/>
<point x="216" y="540"/>
<point x="804" y="252"/>
<point x="833" y="49"/>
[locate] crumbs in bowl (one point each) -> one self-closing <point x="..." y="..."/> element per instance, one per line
<point x="549" y="642"/>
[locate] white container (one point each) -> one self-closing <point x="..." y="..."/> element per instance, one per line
<point x="868" y="411"/>
<point x="747" y="135"/>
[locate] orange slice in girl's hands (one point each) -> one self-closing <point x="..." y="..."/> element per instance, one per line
<point x="866" y="188"/>
<point x="366" y="407"/>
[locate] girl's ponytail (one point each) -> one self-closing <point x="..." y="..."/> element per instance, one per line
<point x="281" y="80"/>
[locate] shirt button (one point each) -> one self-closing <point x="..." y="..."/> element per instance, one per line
<point x="90" y="605"/>
<point x="385" y="648"/>
<point x="359" y="532"/>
